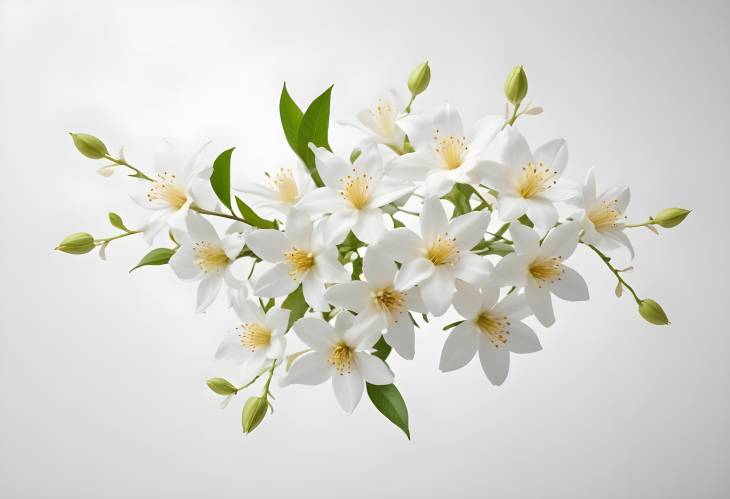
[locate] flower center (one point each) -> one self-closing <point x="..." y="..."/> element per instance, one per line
<point x="442" y="251"/>
<point x="356" y="190"/>
<point x="389" y="300"/>
<point x="254" y="335"/>
<point x="384" y="116"/>
<point x="300" y="261"/>
<point x="341" y="357"/>
<point x="209" y="257"/>
<point x="605" y="215"/>
<point x="495" y="328"/>
<point x="451" y="150"/>
<point x="286" y="186"/>
<point x="535" y="179"/>
<point x="547" y="270"/>
<point x="166" y="189"/>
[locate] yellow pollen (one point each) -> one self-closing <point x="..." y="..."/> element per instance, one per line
<point x="494" y="327"/>
<point x="389" y="300"/>
<point x="300" y="261"/>
<point x="451" y="149"/>
<point x="535" y="179"/>
<point x="356" y="190"/>
<point x="286" y="186"/>
<point x="442" y="251"/>
<point x="384" y="117"/>
<point x="166" y="189"/>
<point x="254" y="335"/>
<point x="341" y="357"/>
<point x="547" y="270"/>
<point x="209" y="257"/>
<point x="606" y="215"/>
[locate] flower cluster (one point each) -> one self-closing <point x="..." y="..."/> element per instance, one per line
<point x="349" y="256"/>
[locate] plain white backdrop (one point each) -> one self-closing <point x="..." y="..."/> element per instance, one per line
<point x="102" y="373"/>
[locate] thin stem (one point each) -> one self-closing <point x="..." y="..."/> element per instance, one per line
<point x="648" y="222"/>
<point x="108" y="239"/>
<point x="511" y="121"/>
<point x="123" y="162"/>
<point x="410" y="103"/>
<point x="268" y="381"/>
<point x="217" y="214"/>
<point x="403" y="210"/>
<point x="614" y="271"/>
<point x="498" y="235"/>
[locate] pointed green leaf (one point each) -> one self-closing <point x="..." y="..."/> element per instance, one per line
<point x="252" y="218"/>
<point x="291" y="117"/>
<point x="388" y="400"/>
<point x="314" y="129"/>
<point x="220" y="179"/>
<point x="382" y="349"/>
<point x="296" y="303"/>
<point x="117" y="222"/>
<point x="158" y="256"/>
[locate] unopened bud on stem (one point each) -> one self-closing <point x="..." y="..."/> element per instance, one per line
<point x="419" y="79"/>
<point x="515" y="88"/>
<point x="89" y="146"/>
<point x="77" y="244"/>
<point x="254" y="411"/>
<point x="652" y="312"/>
<point x="671" y="217"/>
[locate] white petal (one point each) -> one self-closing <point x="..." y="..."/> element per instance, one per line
<point x="438" y="290"/>
<point x="515" y="152"/>
<point x="526" y="240"/>
<point x="402" y="244"/>
<point x="570" y="286"/>
<point x="353" y="295"/>
<point x="338" y="225"/>
<point x="316" y="333"/>
<point x="542" y="213"/>
<point x="438" y="183"/>
<point x="365" y="332"/>
<point x="268" y="244"/>
<point x="275" y="282"/>
<point x="232" y="245"/>
<point x="419" y="129"/>
<point x="511" y="207"/>
<point x="331" y="168"/>
<point x="469" y="229"/>
<point x="373" y="370"/>
<point x="201" y="229"/>
<point x="467" y="300"/>
<point x="320" y="201"/>
<point x="310" y="369"/>
<point x="472" y="268"/>
<point x="401" y="336"/>
<point x="512" y="270"/>
<point x="253" y="365"/>
<point x="278" y="320"/>
<point x="522" y="339"/>
<point x="553" y="155"/>
<point x="231" y="348"/>
<point x="485" y="130"/>
<point x="460" y="347"/>
<point x="514" y="306"/>
<point x="561" y="241"/>
<point x="389" y="190"/>
<point x="378" y="268"/>
<point x="414" y="301"/>
<point x="495" y="362"/>
<point x="448" y="121"/>
<point x="413" y="272"/>
<point x="207" y="291"/>
<point x="621" y="238"/>
<point x="369" y="226"/>
<point x="313" y="289"/>
<point x="540" y="302"/>
<point x="328" y="268"/>
<point x="248" y="311"/>
<point x="433" y="219"/>
<point x="299" y="229"/>
<point x="412" y="166"/>
<point x="348" y="389"/>
<point x="183" y="264"/>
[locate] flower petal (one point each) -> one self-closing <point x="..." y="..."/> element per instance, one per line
<point x="561" y="241"/>
<point x="352" y="295"/>
<point x="469" y="229"/>
<point x="316" y="333"/>
<point x="467" y="300"/>
<point x="515" y="153"/>
<point x="401" y="336"/>
<point x="320" y="201"/>
<point x="299" y="229"/>
<point x="495" y="361"/>
<point x="510" y="207"/>
<point x="328" y="268"/>
<point x="348" y="389"/>
<point x="378" y="268"/>
<point x="540" y="302"/>
<point x="183" y="264"/>
<point x="413" y="272"/>
<point x="570" y="286"/>
<point x="310" y="369"/>
<point x="522" y="339"/>
<point x="472" y="268"/>
<point x="402" y="244"/>
<point x="553" y="154"/>
<point x="412" y="166"/>
<point x="278" y="320"/>
<point x="268" y="244"/>
<point x="438" y="290"/>
<point x="373" y="370"/>
<point x="512" y="270"/>
<point x="433" y="219"/>
<point x="369" y="226"/>
<point x="208" y="290"/>
<point x="275" y="282"/>
<point x="460" y="347"/>
<point x="331" y="168"/>
<point x="313" y="289"/>
<point x="526" y="240"/>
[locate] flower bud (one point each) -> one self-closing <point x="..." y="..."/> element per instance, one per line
<point x="652" y="312"/>
<point x="89" y="146"/>
<point x="515" y="88"/>
<point x="254" y="411"/>
<point x="221" y="386"/>
<point x="671" y="217"/>
<point x="77" y="244"/>
<point x="419" y="79"/>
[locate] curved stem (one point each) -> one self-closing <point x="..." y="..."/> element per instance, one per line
<point x="203" y="211"/>
<point x="123" y="162"/>
<point x="614" y="270"/>
<point x="108" y="239"/>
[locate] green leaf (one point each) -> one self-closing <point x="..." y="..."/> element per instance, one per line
<point x="220" y="179"/>
<point x="459" y="196"/>
<point x="388" y="400"/>
<point x="314" y="129"/>
<point x="291" y="117"/>
<point x="252" y="218"/>
<point x="158" y="256"/>
<point x="382" y="349"/>
<point x="296" y="303"/>
<point x="117" y="222"/>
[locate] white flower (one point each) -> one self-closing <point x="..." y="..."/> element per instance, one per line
<point x="257" y="341"/>
<point x="527" y="182"/>
<point x="204" y="256"/>
<point x="175" y="186"/>
<point x="380" y="302"/>
<point x="380" y="123"/>
<point x="340" y="353"/>
<point x="540" y="268"/>
<point x="602" y="218"/>
<point x="444" y="154"/>
<point x="440" y="255"/>
<point x="493" y="327"/>
<point x="301" y="254"/>
<point x="286" y="188"/>
<point x="353" y="194"/>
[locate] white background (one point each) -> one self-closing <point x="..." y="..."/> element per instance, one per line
<point x="102" y="373"/>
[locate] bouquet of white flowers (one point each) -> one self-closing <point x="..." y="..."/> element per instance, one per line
<point x="353" y="254"/>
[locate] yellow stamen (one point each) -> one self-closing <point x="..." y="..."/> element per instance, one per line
<point x="300" y="261"/>
<point x="385" y="118"/>
<point x="209" y="257"/>
<point x="451" y="149"/>
<point x="166" y="188"/>
<point x="390" y="301"/>
<point x="443" y="251"/>
<point x="356" y="190"/>
<point x="535" y="179"/>
<point x="341" y="357"/>
<point x="547" y="270"/>
<point x="494" y="327"/>
<point x="254" y="335"/>
<point x="284" y="183"/>
<point x="606" y="215"/>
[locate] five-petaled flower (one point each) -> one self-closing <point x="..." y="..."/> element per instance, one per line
<point x="285" y="189"/>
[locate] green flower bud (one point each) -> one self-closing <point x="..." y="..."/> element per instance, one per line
<point x="652" y="312"/>
<point x="515" y="88"/>
<point x="77" y="244"/>
<point x="671" y="217"/>
<point x="254" y="411"/>
<point x="89" y="146"/>
<point x="221" y="386"/>
<point x="355" y="154"/>
<point x="419" y="79"/>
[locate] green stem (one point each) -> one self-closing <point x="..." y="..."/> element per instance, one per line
<point x="512" y="120"/>
<point x="122" y="162"/>
<point x="265" y="392"/>
<point x="648" y="222"/>
<point x="203" y="211"/>
<point x="498" y="235"/>
<point x="410" y="103"/>
<point x="108" y="239"/>
<point x="614" y="271"/>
